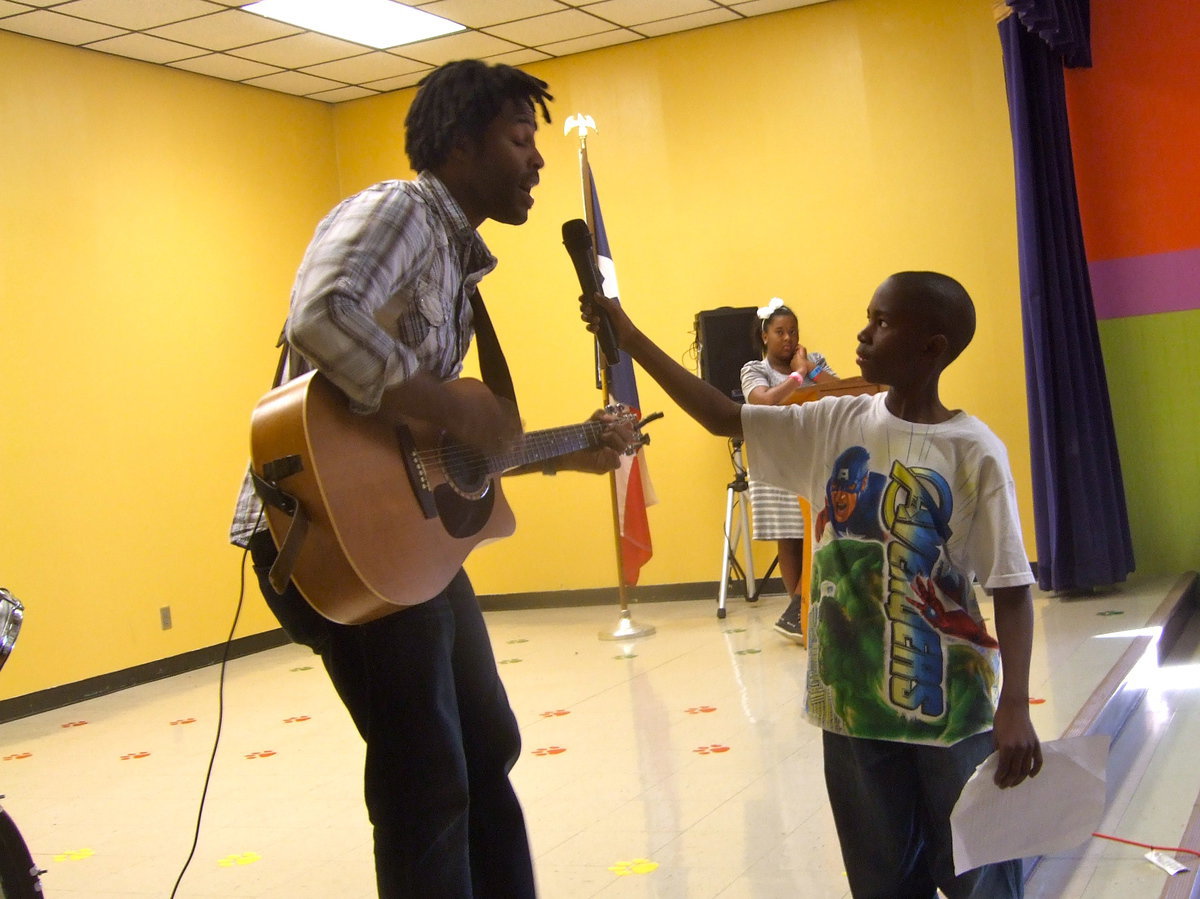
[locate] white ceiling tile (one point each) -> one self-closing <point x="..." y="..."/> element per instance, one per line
<point x="762" y="7"/>
<point x="368" y="67"/>
<point x="635" y="12"/>
<point x="591" y="42"/>
<point x="53" y="27"/>
<point x="342" y="93"/>
<point x="221" y="65"/>
<point x="300" y="50"/>
<point x="136" y="15"/>
<point x="394" y="84"/>
<point x="217" y="38"/>
<point x="465" y="45"/>
<point x="226" y="30"/>
<point x="478" y="13"/>
<point x="520" y="57"/>
<point x="555" y="26"/>
<point x="294" y="83"/>
<point x="686" y="23"/>
<point x="8" y="8"/>
<point x="145" y="47"/>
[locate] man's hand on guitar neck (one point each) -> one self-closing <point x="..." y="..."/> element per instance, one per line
<point x="467" y="410"/>
<point x="616" y="437"/>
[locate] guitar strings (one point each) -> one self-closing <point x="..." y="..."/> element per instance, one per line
<point x="533" y="443"/>
<point x="461" y="451"/>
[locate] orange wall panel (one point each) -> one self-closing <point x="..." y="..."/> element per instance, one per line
<point x="1135" y="129"/>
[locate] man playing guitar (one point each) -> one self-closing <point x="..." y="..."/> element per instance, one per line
<point x="384" y="306"/>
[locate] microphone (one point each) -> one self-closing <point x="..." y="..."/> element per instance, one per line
<point x="577" y="238"/>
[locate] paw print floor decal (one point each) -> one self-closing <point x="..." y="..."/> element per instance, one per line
<point x="633" y="866"/>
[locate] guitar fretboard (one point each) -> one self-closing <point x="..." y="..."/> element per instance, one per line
<point x="534" y="446"/>
<point x="537" y="446"/>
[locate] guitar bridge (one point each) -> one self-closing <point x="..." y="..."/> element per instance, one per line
<point x="418" y="477"/>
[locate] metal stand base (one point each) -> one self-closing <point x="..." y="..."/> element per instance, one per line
<point x="627" y="629"/>
<point x="737" y="486"/>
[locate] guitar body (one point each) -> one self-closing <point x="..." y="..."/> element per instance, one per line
<point x="386" y="531"/>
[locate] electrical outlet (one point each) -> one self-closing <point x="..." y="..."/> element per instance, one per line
<point x="164" y="615"/>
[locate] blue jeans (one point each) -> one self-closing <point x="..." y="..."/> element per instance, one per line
<point x="422" y="688"/>
<point x="891" y="803"/>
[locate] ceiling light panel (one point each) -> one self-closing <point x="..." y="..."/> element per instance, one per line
<point x="374" y="23"/>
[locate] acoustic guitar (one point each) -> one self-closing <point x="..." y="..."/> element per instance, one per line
<point x="393" y="509"/>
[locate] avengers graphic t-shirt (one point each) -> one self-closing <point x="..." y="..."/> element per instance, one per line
<point x="905" y="517"/>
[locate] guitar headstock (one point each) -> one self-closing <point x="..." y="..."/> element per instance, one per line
<point x="628" y="416"/>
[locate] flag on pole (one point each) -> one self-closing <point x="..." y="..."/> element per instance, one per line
<point x="634" y="490"/>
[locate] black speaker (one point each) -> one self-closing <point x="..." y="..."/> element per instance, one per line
<point x="725" y="341"/>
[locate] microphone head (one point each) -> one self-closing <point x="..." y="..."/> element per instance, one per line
<point x="576" y="233"/>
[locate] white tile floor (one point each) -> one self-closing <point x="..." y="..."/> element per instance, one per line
<point x="677" y="765"/>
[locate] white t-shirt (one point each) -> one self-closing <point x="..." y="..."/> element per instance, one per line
<point x="906" y="516"/>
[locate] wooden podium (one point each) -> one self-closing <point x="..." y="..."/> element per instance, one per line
<point x="841" y="387"/>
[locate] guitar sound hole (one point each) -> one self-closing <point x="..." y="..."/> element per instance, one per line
<point x="466" y="470"/>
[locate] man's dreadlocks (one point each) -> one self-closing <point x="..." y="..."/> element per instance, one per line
<point x="459" y="100"/>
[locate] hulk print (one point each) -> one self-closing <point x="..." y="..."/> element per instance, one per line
<point x="895" y="654"/>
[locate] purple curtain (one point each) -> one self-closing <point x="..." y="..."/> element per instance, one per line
<point x="1081" y="523"/>
<point x="1065" y="26"/>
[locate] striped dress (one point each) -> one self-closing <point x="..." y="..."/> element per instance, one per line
<point x="776" y="512"/>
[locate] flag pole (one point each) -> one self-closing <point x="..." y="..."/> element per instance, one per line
<point x="626" y="628"/>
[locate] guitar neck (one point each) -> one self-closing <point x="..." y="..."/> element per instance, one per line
<point x="537" y="446"/>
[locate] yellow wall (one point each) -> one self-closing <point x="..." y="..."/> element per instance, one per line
<point x="153" y="220"/>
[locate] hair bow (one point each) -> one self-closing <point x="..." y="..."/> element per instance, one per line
<point x="765" y="312"/>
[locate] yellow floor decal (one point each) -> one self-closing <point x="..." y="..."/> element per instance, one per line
<point x="633" y="866"/>
<point x="74" y="855"/>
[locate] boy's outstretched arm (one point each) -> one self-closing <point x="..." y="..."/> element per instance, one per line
<point x="716" y="412"/>
<point x="1016" y="741"/>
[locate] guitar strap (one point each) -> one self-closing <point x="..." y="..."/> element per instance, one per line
<point x="492" y="365"/>
<point x="496" y="376"/>
<point x="268" y="490"/>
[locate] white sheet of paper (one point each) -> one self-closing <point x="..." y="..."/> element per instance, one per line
<point x="1053" y="812"/>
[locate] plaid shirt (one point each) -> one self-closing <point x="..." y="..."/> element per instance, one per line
<point x="382" y="293"/>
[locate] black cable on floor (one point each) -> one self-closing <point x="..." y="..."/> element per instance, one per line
<point x="220" y="720"/>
